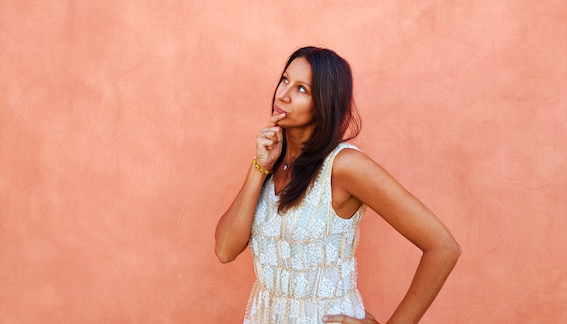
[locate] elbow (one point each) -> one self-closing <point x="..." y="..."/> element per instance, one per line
<point x="223" y="256"/>
<point x="459" y="251"/>
<point x="447" y="251"/>
<point x="453" y="251"/>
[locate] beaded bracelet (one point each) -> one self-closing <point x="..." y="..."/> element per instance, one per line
<point x="260" y="169"/>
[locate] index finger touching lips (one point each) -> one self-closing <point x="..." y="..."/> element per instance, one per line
<point x="275" y="118"/>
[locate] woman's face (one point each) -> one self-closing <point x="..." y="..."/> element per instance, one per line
<point x="293" y="96"/>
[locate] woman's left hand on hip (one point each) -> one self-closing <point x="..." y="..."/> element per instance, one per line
<point x="344" y="319"/>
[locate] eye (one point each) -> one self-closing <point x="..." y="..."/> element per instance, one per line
<point x="302" y="89"/>
<point x="284" y="79"/>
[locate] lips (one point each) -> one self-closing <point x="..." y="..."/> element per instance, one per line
<point x="279" y="110"/>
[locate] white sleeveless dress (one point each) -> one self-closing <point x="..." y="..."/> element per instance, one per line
<point x="304" y="258"/>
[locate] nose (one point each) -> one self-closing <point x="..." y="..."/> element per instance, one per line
<point x="283" y="93"/>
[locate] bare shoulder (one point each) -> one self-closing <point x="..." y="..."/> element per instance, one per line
<point x="350" y="163"/>
<point x="357" y="174"/>
<point x="349" y="154"/>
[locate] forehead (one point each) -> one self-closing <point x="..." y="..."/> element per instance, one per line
<point x="299" y="70"/>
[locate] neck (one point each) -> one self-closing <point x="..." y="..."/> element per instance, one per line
<point x="294" y="141"/>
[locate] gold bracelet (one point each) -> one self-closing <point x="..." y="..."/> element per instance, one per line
<point x="260" y="169"/>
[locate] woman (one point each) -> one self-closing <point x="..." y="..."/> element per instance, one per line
<point x="303" y="197"/>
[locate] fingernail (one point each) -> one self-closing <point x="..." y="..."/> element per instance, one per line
<point x="325" y="318"/>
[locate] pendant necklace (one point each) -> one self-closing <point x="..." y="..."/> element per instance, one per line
<point x="286" y="165"/>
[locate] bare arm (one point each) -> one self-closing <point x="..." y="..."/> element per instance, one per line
<point x="361" y="178"/>
<point x="234" y="227"/>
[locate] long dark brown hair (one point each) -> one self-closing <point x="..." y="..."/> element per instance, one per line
<point x="335" y="113"/>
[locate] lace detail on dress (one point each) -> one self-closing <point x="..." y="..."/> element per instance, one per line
<point x="304" y="258"/>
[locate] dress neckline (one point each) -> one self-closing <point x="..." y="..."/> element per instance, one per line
<point x="272" y="189"/>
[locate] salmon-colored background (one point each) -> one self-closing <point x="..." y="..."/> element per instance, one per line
<point x="127" y="127"/>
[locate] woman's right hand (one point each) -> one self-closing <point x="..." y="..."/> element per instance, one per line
<point x="269" y="142"/>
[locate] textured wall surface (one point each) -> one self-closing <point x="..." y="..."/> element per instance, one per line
<point x="127" y="127"/>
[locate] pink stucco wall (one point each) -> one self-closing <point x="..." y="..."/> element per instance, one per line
<point x="126" y="128"/>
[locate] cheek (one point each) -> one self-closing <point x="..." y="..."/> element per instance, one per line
<point x="305" y="101"/>
<point x="313" y="117"/>
<point x="309" y="109"/>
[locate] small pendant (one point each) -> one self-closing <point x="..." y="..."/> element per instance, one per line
<point x="285" y="167"/>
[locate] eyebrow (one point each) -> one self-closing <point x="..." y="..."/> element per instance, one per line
<point x="304" y="83"/>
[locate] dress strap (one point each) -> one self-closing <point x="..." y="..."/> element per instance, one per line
<point x="327" y="170"/>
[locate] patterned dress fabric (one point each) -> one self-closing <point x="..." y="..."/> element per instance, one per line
<point x="304" y="258"/>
